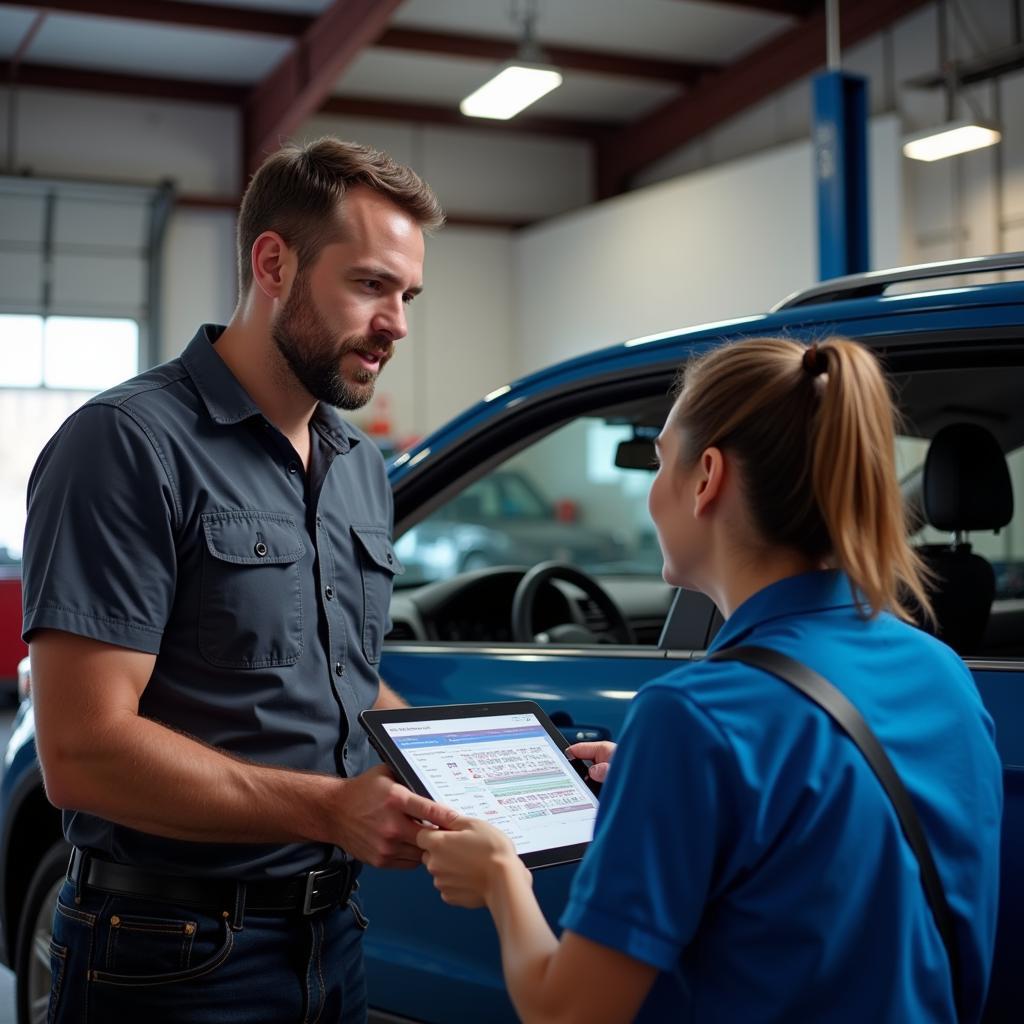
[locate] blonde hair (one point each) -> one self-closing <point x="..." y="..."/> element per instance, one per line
<point x="814" y="433"/>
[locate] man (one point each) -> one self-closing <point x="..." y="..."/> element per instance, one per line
<point x="208" y="568"/>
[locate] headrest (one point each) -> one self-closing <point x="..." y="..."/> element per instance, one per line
<point x="966" y="484"/>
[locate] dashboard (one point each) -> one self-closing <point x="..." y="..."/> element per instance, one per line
<point x="476" y="607"/>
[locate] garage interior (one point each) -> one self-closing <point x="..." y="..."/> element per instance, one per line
<point x="668" y="181"/>
<point x="128" y="130"/>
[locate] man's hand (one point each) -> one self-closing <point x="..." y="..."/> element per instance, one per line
<point x="375" y="821"/>
<point x="468" y="858"/>
<point x="601" y="753"/>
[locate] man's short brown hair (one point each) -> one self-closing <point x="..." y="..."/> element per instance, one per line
<point x="296" y="193"/>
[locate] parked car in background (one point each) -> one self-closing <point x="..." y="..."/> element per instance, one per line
<point x="12" y="650"/>
<point x="582" y="645"/>
<point x="504" y="518"/>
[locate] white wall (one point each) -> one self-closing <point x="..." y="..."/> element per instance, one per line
<point x="707" y="246"/>
<point x="200" y="281"/>
<point x="482" y="172"/>
<point x="462" y="332"/>
<point x="967" y="206"/>
<point x="115" y="138"/>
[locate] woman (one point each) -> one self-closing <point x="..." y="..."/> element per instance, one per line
<point x="746" y="863"/>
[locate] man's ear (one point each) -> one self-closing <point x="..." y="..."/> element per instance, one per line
<point x="273" y="265"/>
<point x="710" y="476"/>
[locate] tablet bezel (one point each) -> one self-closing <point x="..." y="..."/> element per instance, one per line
<point x="373" y="721"/>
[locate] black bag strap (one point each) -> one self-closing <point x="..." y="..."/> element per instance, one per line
<point x="818" y="689"/>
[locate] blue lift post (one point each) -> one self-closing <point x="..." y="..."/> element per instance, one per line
<point x="841" y="172"/>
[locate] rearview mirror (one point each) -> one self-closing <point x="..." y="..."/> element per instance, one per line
<point x="636" y="453"/>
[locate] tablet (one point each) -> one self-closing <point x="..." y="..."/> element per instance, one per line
<point x="503" y="762"/>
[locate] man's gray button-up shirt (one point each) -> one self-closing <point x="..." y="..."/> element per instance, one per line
<point x="168" y="516"/>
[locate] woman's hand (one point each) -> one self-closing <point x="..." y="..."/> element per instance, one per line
<point x="601" y="753"/>
<point x="468" y="858"/>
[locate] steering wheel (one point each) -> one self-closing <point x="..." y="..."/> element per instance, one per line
<point x="526" y="595"/>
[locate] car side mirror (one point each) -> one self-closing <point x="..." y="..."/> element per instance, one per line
<point x="636" y="453"/>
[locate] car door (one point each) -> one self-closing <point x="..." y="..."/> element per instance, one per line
<point x="427" y="961"/>
<point x="430" y="962"/>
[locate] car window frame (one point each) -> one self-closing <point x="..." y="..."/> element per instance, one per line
<point x="497" y="439"/>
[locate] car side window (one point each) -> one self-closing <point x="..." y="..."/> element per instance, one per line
<point x="561" y="499"/>
<point x="1003" y="633"/>
<point x="1005" y="549"/>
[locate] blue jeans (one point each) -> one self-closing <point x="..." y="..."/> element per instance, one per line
<point x="127" y="960"/>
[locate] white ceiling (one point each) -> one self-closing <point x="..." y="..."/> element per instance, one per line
<point x="675" y="29"/>
<point x="666" y="29"/>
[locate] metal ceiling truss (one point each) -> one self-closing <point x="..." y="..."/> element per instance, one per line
<point x="785" y="59"/>
<point x="301" y="84"/>
<point x="274" y="23"/>
<point x="303" y="79"/>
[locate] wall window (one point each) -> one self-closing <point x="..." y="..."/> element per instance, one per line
<point x="49" y="366"/>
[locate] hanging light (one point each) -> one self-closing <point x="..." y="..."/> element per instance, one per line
<point x="950" y="139"/>
<point x="953" y="137"/>
<point x="519" y="82"/>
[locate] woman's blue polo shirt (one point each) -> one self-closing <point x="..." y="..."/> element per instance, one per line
<point x="744" y="847"/>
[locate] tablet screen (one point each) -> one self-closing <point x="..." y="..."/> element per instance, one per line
<point x="505" y="769"/>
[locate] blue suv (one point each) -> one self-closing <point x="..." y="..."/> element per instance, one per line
<point x="951" y="337"/>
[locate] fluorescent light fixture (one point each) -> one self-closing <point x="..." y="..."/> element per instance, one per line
<point x="512" y="89"/>
<point x="949" y="140"/>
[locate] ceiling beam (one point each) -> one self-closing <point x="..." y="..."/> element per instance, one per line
<point x="305" y="77"/>
<point x="277" y="23"/>
<point x="498" y="49"/>
<point x="796" y="8"/>
<point x="47" y="76"/>
<point x="26" y="41"/>
<point x="400" y="110"/>
<point x="783" y="60"/>
<point x="184" y="15"/>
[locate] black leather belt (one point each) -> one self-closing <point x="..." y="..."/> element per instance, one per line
<point x="306" y="893"/>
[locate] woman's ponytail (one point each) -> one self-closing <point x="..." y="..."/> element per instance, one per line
<point x="853" y="469"/>
<point x="814" y="431"/>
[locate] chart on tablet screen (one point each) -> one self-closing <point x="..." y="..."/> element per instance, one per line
<point x="505" y="770"/>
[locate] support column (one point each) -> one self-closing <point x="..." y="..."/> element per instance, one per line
<point x="841" y="173"/>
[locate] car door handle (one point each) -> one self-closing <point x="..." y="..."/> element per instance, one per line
<point x="578" y="733"/>
<point x="585" y="733"/>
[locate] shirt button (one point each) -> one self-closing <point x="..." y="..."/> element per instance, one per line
<point x="390" y="559"/>
<point x="260" y="549"/>
<point x="339" y="669"/>
<point x="329" y="592"/>
<point x="344" y="752"/>
<point x="319" y="521"/>
<point x="293" y="467"/>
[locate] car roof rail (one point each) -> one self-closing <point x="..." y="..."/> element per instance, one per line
<point x="874" y="282"/>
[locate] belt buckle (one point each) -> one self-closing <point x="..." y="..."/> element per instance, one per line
<point x="311" y="879"/>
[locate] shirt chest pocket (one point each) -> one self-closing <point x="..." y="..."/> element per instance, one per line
<point x="250" y="613"/>
<point x="378" y="566"/>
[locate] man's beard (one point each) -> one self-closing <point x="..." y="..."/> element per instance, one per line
<point x="308" y="346"/>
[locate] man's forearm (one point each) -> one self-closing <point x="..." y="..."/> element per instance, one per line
<point x="388" y="699"/>
<point x="139" y="773"/>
